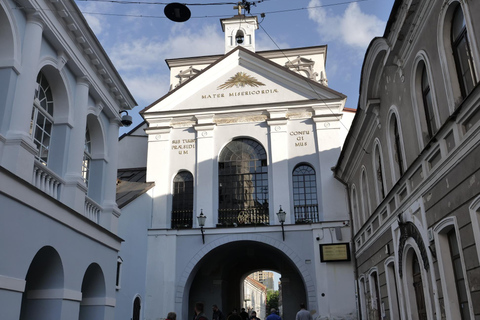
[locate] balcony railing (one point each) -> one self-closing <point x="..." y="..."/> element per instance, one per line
<point x="182" y="219"/>
<point x="306" y="214"/>
<point x="92" y="210"/>
<point x="46" y="180"/>
<point x="243" y="217"/>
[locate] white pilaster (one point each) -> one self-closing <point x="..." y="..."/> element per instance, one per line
<point x="158" y="164"/>
<point x="204" y="187"/>
<point x="73" y="193"/>
<point x="280" y="175"/>
<point x="332" y="205"/>
<point x="110" y="214"/>
<point x="19" y="149"/>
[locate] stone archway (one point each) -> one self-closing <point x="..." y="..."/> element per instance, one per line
<point x="214" y="274"/>
<point x="44" y="283"/>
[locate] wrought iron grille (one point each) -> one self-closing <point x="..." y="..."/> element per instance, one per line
<point x="239" y="217"/>
<point x="243" y="184"/>
<point x="305" y="194"/>
<point x="182" y="204"/>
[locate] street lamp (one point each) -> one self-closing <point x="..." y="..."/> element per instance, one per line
<point x="201" y="222"/>
<point x="281" y="217"/>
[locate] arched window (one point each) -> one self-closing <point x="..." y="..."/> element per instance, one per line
<point x="355" y="212"/>
<point x="42" y="118"/>
<point x="392" y="289"/>
<point x="451" y="268"/>
<point x="375" y="295"/>
<point x="243" y="183"/>
<point x="462" y="53"/>
<point x="365" y="196"/>
<point x="427" y="113"/>
<point x="136" y="308"/>
<point x="418" y="288"/>
<point x="379" y="174"/>
<point x="396" y="148"/>
<point x="87" y="157"/>
<point x="182" y="204"/>
<point x="305" y="202"/>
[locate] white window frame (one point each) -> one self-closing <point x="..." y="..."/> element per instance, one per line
<point x="447" y="278"/>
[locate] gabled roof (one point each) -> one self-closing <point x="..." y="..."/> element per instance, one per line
<point x="316" y="89"/>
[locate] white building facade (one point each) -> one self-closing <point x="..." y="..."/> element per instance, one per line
<point x="239" y="136"/>
<point x="60" y="99"/>
<point x="255" y="297"/>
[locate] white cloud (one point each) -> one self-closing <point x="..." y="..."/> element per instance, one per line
<point x="354" y="28"/>
<point x="263" y="42"/>
<point x="147" y="88"/>
<point x="141" y="62"/>
<point x="97" y="22"/>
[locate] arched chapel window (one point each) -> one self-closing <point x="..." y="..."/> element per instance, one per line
<point x="427" y="113"/>
<point x="136" y="309"/>
<point x="365" y="196"/>
<point x="356" y="217"/>
<point x="182" y="203"/>
<point x="462" y="53"/>
<point x="305" y="202"/>
<point x="396" y="147"/>
<point x="42" y="118"/>
<point x="87" y="157"/>
<point x="243" y="183"/>
<point x="379" y="174"/>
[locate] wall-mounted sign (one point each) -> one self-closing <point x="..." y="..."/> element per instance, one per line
<point x="334" y="252"/>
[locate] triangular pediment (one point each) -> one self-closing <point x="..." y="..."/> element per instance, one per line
<point x="241" y="78"/>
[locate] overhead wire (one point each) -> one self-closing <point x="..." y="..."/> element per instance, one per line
<point x="110" y="14"/>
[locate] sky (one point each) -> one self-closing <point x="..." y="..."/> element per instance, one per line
<point x="138" y="37"/>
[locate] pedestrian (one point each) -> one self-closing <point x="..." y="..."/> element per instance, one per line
<point x="234" y="315"/>
<point x="273" y="315"/>
<point x="303" y="314"/>
<point x="217" y="313"/>
<point x="199" y="315"/>
<point x="253" y="316"/>
<point x="172" y="316"/>
<point x="243" y="314"/>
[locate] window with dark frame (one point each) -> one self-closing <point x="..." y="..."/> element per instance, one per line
<point x="42" y="118"/>
<point x="458" y="274"/>
<point x="462" y="53"/>
<point x="182" y="202"/>
<point x="305" y="201"/>
<point x="243" y="184"/>
<point x="87" y="157"/>
<point x="379" y="169"/>
<point x="398" y="158"/>
<point x="428" y="105"/>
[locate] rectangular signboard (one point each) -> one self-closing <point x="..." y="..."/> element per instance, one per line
<point x="335" y="252"/>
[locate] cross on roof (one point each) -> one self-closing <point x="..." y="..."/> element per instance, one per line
<point x="240" y="6"/>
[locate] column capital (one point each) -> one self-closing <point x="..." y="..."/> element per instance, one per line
<point x="83" y="81"/>
<point x="35" y="18"/>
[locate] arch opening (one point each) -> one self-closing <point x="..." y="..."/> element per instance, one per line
<point x="218" y="277"/>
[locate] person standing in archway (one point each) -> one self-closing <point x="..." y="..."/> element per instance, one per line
<point x="234" y="315"/>
<point x="217" y="313"/>
<point x="273" y="315"/>
<point x="303" y="314"/>
<point x="253" y="316"/>
<point x="199" y="315"/>
<point x="243" y="314"/>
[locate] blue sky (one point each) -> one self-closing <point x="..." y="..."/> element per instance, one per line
<point x="138" y="38"/>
